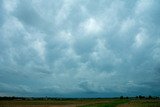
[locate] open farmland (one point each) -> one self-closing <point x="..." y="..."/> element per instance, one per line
<point x="141" y="103"/>
<point x="81" y="103"/>
<point x="58" y="103"/>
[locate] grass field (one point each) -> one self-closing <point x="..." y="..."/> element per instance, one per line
<point x="141" y="103"/>
<point x="82" y="103"/>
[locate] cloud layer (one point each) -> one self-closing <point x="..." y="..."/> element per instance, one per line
<point x="69" y="48"/>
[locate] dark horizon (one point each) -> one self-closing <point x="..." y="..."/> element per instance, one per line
<point x="98" y="97"/>
<point x="58" y="98"/>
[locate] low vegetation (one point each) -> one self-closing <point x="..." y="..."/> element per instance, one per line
<point x="111" y="103"/>
<point x="139" y="101"/>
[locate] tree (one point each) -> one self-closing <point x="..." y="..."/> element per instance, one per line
<point x="121" y="97"/>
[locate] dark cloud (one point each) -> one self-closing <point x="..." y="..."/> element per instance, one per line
<point x="80" y="48"/>
<point x="2" y="13"/>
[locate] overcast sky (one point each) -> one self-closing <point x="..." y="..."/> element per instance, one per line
<point x="79" y="48"/>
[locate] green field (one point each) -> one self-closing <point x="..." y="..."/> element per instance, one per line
<point x="141" y="103"/>
<point x="81" y="103"/>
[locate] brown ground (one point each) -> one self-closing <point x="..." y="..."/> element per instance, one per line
<point x="50" y="103"/>
<point x="141" y="103"/>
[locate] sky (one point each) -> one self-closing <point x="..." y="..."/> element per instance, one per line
<point x="79" y="48"/>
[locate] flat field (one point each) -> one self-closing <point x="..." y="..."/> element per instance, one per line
<point x="81" y="103"/>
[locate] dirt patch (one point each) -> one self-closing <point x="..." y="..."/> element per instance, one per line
<point x="63" y="106"/>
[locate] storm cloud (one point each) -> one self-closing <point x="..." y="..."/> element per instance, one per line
<point x="79" y="48"/>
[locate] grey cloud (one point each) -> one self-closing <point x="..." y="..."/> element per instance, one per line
<point x="2" y="13"/>
<point x="80" y="48"/>
<point x="84" y="45"/>
<point x="26" y="13"/>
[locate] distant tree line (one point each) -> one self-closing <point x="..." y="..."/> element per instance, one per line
<point x="140" y="97"/>
<point x="39" y="98"/>
<point x="57" y="98"/>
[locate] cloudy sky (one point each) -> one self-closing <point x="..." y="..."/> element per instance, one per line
<point x="79" y="48"/>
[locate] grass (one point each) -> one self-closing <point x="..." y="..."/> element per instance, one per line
<point x="142" y="103"/>
<point x="82" y="103"/>
<point x="37" y="103"/>
<point x="111" y="103"/>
